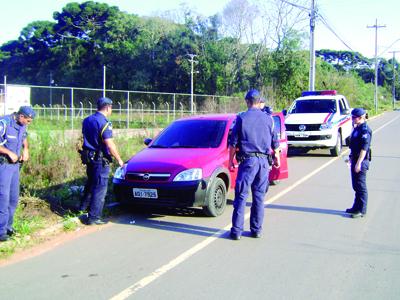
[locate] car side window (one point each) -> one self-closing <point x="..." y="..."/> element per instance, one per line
<point x="277" y="126"/>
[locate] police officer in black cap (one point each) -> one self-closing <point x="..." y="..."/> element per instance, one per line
<point x="253" y="136"/>
<point x="97" y="152"/>
<point x="360" y="156"/>
<point x="13" y="151"/>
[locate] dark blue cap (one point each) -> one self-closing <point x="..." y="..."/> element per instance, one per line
<point x="358" y="112"/>
<point x="27" y="111"/>
<point x="103" y="101"/>
<point x="253" y="95"/>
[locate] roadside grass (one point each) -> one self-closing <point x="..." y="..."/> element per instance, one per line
<point x="52" y="182"/>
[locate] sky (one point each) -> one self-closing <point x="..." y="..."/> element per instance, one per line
<point x="348" y="19"/>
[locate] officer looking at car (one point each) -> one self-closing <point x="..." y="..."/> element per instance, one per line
<point x="253" y="136"/>
<point x="97" y="152"/>
<point x="13" y="151"/>
<point x="360" y="156"/>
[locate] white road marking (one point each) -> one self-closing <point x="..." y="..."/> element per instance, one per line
<point x="198" y="247"/>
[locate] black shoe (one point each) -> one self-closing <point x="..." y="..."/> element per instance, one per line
<point x="11" y="232"/>
<point x="97" y="222"/>
<point x="357" y="214"/>
<point x="4" y="237"/>
<point x="235" y="237"/>
<point x="350" y="210"/>
<point x="256" y="235"/>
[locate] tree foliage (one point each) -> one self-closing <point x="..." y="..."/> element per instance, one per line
<point x="247" y="45"/>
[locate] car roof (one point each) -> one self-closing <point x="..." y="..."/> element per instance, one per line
<point x="319" y="97"/>
<point x="210" y="117"/>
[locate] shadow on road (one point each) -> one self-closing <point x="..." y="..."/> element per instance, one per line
<point x="309" y="210"/>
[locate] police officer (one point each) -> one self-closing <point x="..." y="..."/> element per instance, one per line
<point x="97" y="152"/>
<point x="267" y="109"/>
<point x="360" y="157"/>
<point x="13" y="151"/>
<point x="253" y="136"/>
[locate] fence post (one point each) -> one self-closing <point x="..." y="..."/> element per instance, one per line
<point x="65" y="112"/>
<point x="142" y="111"/>
<point x="119" y="104"/>
<point x="81" y="109"/>
<point x="44" y="111"/>
<point x="180" y="103"/>
<point x="167" y="104"/>
<point x="154" y="113"/>
<point x="72" y="108"/>
<point x="174" y="105"/>
<point x="127" y="110"/>
<point x="91" y="107"/>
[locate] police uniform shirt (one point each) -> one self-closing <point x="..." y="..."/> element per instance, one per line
<point x="12" y="134"/>
<point x="360" y="140"/>
<point x="253" y="132"/>
<point x="95" y="129"/>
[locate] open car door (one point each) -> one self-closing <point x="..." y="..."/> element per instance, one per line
<point x="277" y="174"/>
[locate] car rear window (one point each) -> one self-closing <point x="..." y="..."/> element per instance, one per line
<point x="192" y="134"/>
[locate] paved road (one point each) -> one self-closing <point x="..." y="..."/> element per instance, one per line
<point x="310" y="248"/>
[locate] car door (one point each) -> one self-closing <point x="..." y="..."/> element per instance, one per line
<point x="282" y="171"/>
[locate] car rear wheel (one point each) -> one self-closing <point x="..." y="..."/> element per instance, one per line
<point x="215" y="199"/>
<point x="335" y="151"/>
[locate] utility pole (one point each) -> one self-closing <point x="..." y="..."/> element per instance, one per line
<point x="376" y="26"/>
<point x="312" y="48"/>
<point x="192" y="61"/>
<point x="51" y="90"/>
<point x="394" y="78"/>
<point x="313" y="15"/>
<point x="104" y="80"/>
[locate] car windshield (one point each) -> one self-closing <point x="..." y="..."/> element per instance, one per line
<point x="192" y="134"/>
<point x="313" y="106"/>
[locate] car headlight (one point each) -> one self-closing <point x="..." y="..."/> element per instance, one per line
<point x="120" y="172"/>
<point x="189" y="175"/>
<point x="325" y="126"/>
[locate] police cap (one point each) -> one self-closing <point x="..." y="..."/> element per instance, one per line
<point x="253" y="95"/>
<point x="27" y="111"/>
<point x="358" y="112"/>
<point x="103" y="101"/>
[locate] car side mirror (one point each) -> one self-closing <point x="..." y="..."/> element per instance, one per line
<point x="284" y="112"/>
<point x="346" y="112"/>
<point x="147" y="141"/>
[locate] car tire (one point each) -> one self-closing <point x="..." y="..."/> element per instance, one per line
<point x="215" y="199"/>
<point x="274" y="182"/>
<point x="335" y="151"/>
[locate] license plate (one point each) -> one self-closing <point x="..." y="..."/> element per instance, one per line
<point x="302" y="134"/>
<point x="145" y="193"/>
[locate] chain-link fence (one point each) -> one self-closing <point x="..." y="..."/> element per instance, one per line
<point x="130" y="108"/>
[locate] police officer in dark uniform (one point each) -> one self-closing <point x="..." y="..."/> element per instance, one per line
<point x="360" y="157"/>
<point x="253" y="136"/>
<point x="97" y="152"/>
<point x="13" y="151"/>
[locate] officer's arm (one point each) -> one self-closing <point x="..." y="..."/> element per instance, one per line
<point x="113" y="150"/>
<point x="363" y="153"/>
<point x="25" y="151"/>
<point x="232" y="152"/>
<point x="13" y="157"/>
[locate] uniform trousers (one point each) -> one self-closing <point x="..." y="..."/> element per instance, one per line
<point x="359" y="183"/>
<point x="9" y="195"/>
<point x="252" y="174"/>
<point x="95" y="189"/>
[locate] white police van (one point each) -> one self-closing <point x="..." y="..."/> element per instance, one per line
<point x="319" y="119"/>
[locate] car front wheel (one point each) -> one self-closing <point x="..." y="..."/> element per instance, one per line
<point x="216" y="198"/>
<point x="335" y="151"/>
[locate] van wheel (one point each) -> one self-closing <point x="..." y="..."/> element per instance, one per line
<point x="215" y="199"/>
<point x="335" y="151"/>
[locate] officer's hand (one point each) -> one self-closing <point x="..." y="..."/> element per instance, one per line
<point x="24" y="156"/>
<point x="13" y="157"/>
<point x="357" y="168"/>
<point x="121" y="162"/>
<point x="277" y="162"/>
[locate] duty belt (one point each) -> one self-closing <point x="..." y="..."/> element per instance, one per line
<point x="5" y="160"/>
<point x="242" y="156"/>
